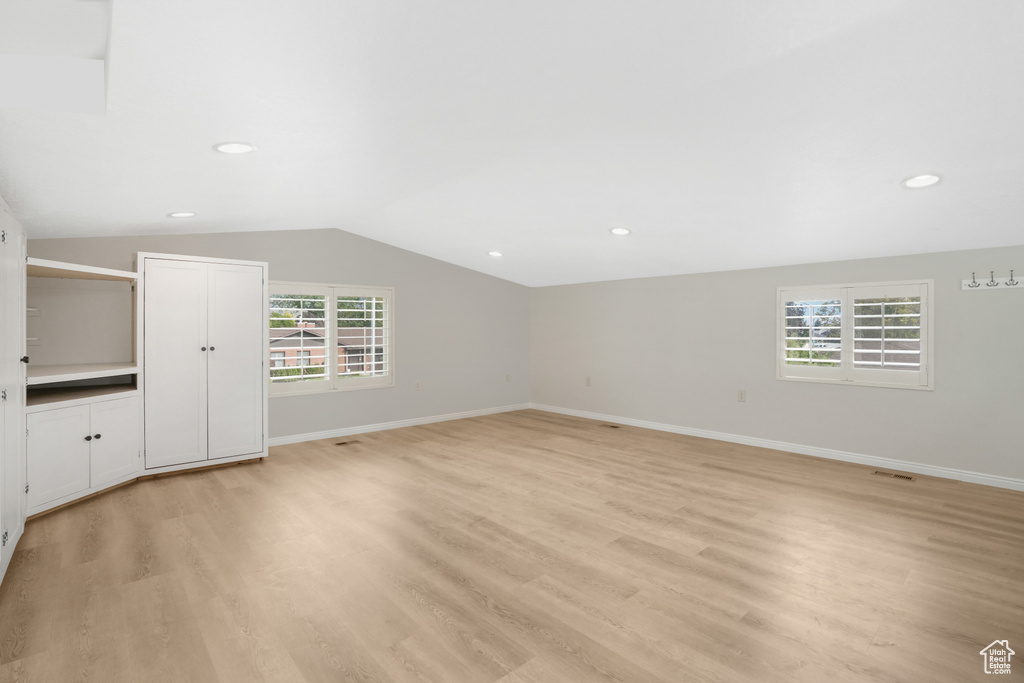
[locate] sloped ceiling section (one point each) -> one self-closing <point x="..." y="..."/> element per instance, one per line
<point x="727" y="134"/>
<point x="52" y="55"/>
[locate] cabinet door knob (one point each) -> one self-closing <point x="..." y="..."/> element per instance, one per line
<point x="203" y="349"/>
<point x="88" y="438"/>
<point x="96" y="436"/>
<point x="212" y="348"/>
<point x="24" y="359"/>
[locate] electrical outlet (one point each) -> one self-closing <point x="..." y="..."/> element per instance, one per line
<point x="417" y="387"/>
<point x="741" y="395"/>
<point x="588" y="380"/>
<point x="507" y="376"/>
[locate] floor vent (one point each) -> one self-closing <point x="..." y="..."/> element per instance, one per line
<point x="891" y="475"/>
<point x="347" y="443"/>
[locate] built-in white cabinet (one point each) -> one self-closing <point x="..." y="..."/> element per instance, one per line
<point x="82" y="417"/>
<point x="115" y="374"/>
<point x="80" y="449"/>
<point x="205" y="348"/>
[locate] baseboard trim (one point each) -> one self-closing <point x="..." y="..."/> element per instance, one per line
<point x="397" y="424"/>
<point x="828" y="453"/>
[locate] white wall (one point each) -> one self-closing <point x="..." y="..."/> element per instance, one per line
<point x="675" y="350"/>
<point x="457" y="332"/>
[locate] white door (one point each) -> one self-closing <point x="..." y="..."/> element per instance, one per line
<point x="58" y="453"/>
<point x="235" y="370"/>
<point x="174" y="377"/>
<point x="12" y="384"/>
<point x="115" y="440"/>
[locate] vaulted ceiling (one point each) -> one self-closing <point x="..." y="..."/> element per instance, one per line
<point x="724" y="133"/>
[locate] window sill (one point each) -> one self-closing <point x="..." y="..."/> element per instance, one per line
<point x="877" y="385"/>
<point x="311" y="390"/>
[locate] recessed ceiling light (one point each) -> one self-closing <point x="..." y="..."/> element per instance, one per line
<point x="182" y="214"/>
<point x="494" y="253"/>
<point x="919" y="181"/>
<point x="619" y="231"/>
<point x="234" y="147"/>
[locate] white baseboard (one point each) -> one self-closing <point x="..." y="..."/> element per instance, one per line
<point x="831" y="454"/>
<point x="381" y="426"/>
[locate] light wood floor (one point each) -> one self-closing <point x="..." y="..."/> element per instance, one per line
<point x="525" y="547"/>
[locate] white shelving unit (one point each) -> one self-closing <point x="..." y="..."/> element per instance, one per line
<point x="83" y="415"/>
<point x="48" y="383"/>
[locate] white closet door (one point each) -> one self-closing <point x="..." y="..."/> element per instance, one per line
<point x="58" y="453"/>
<point x="115" y="440"/>
<point x="12" y="416"/>
<point x="175" y="361"/>
<point x="236" y="370"/>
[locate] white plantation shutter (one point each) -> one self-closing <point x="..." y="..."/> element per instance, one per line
<point x="890" y="337"/>
<point x="363" y="336"/>
<point x="875" y="334"/>
<point x="812" y="333"/>
<point x="330" y="337"/>
<point x="298" y="338"/>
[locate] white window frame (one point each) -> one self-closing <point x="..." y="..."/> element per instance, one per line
<point x="847" y="373"/>
<point x="334" y="382"/>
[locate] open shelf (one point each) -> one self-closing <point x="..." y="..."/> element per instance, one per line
<point x="38" y="397"/>
<point x="38" y="267"/>
<point x="46" y="374"/>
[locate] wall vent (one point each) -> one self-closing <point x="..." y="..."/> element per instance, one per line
<point x="893" y="475"/>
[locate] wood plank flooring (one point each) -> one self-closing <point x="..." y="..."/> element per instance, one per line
<point x="525" y="547"/>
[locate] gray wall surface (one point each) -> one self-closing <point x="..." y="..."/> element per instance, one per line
<point x="675" y="350"/>
<point x="98" y="311"/>
<point x="457" y="332"/>
<point x="672" y="350"/>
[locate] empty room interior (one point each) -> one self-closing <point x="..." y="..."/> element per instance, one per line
<point x="523" y="342"/>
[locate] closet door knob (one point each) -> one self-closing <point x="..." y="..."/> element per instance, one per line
<point x="96" y="436"/>
<point x="88" y="438"/>
<point x="212" y="348"/>
<point x="203" y="349"/>
<point x="24" y="359"/>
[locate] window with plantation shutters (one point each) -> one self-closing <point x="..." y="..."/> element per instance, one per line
<point x="872" y="334"/>
<point x="329" y="337"/>
<point x="813" y="333"/>
<point x="298" y="327"/>
<point x="363" y="329"/>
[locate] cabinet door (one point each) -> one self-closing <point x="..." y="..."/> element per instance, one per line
<point x="115" y="442"/>
<point x="12" y="383"/>
<point x="175" y="364"/>
<point x="58" y="454"/>
<point x="236" y="372"/>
